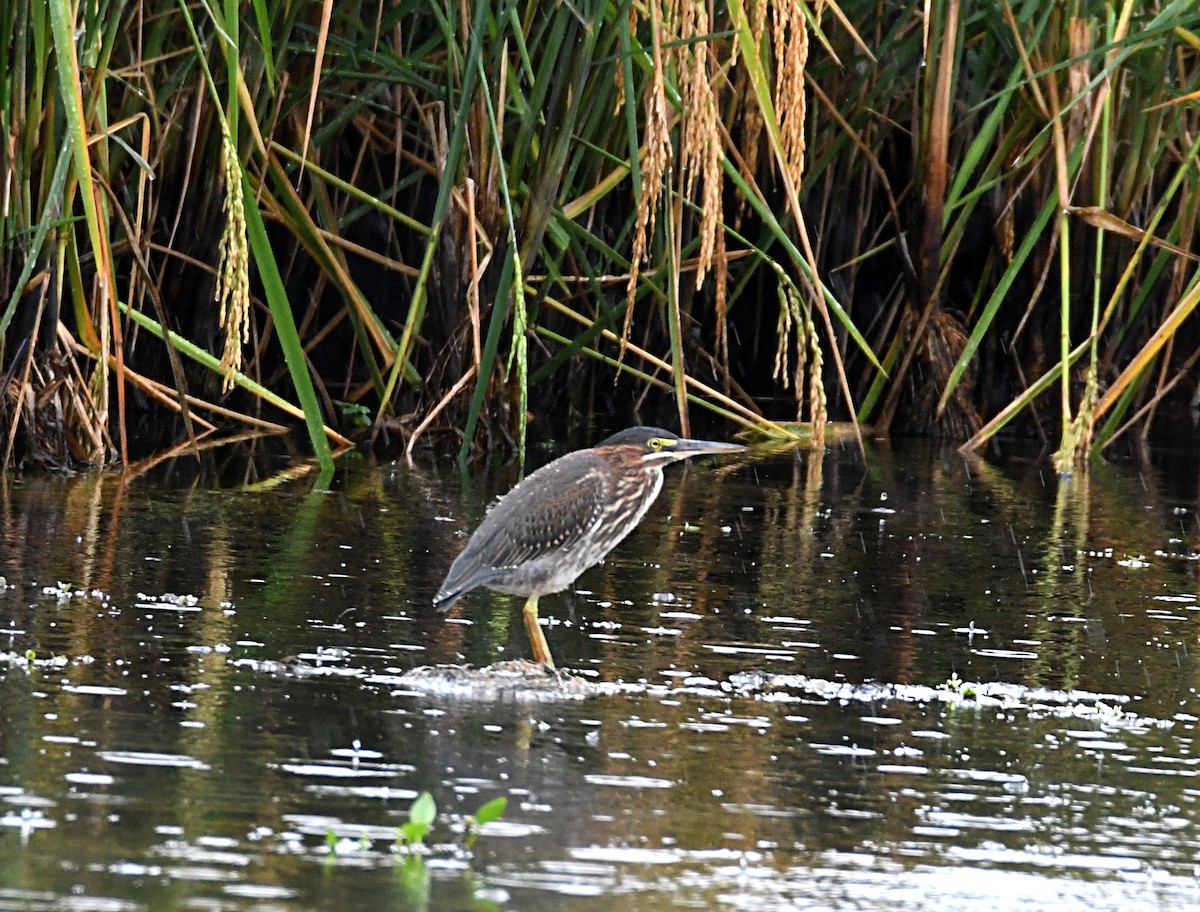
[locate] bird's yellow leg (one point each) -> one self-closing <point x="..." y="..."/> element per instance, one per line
<point x="541" y="651"/>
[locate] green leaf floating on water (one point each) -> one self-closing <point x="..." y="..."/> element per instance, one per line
<point x="420" y="818"/>
<point x="493" y="810"/>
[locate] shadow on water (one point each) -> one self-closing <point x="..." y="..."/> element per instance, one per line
<point x="824" y="685"/>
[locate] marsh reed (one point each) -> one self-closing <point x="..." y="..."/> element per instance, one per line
<point x="445" y="221"/>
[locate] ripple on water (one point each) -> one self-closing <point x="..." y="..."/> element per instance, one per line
<point x="258" y="891"/>
<point x="36" y="900"/>
<point x="633" y="782"/>
<point x="89" y="778"/>
<point x="94" y="690"/>
<point x="370" y="792"/>
<point x="341" y="771"/>
<point x="151" y="758"/>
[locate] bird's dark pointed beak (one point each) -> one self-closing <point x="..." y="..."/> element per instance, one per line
<point x="683" y="448"/>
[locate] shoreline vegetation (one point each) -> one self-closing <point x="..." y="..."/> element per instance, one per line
<point x="402" y="222"/>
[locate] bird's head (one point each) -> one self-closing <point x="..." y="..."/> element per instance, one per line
<point x="654" y="446"/>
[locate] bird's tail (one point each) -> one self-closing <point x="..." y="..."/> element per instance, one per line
<point x="455" y="586"/>
<point x="446" y="598"/>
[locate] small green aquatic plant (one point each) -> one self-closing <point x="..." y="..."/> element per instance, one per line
<point x="29" y="660"/>
<point x="488" y="812"/>
<point x="424" y="811"/>
<point x="342" y="845"/>
<point x="410" y="835"/>
<point x="355" y="413"/>
<point x="1109" y="709"/>
<point x="412" y="872"/>
<point x="420" y="818"/>
<point x="957" y="685"/>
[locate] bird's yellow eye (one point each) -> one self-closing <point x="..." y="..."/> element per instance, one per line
<point x="658" y="443"/>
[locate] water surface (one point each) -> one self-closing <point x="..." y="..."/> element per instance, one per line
<point x="915" y="683"/>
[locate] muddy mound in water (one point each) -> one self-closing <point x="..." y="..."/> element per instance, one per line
<point x="515" y="680"/>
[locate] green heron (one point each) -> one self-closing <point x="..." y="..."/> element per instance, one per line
<point x="565" y="517"/>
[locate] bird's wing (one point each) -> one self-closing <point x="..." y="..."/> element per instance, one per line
<point x="550" y="510"/>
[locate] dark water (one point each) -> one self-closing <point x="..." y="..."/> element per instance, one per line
<point x="200" y="704"/>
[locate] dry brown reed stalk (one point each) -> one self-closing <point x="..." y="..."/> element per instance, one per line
<point x="51" y="399"/>
<point x="940" y="348"/>
<point x="752" y="115"/>
<point x="721" y="309"/>
<point x="700" y="149"/>
<point x="431" y="415"/>
<point x="1079" y="38"/>
<point x="789" y="33"/>
<point x="795" y="323"/>
<point x="817" y="403"/>
<point x="168" y="396"/>
<point x="656" y="163"/>
<point x="700" y="162"/>
<point x="472" y="281"/>
<point x="318" y="66"/>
